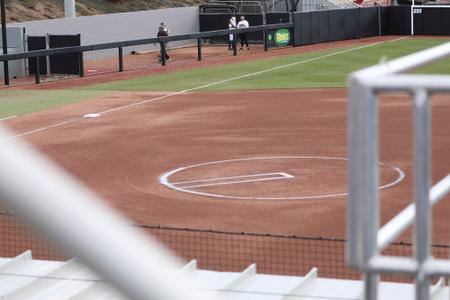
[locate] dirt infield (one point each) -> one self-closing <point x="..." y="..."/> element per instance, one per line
<point x="105" y="69"/>
<point x="123" y="153"/>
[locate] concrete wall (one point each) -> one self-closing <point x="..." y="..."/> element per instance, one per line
<point x="119" y="27"/>
<point x="16" y="44"/>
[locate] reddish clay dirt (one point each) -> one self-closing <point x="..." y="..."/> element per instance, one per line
<point x="183" y="59"/>
<point x="122" y="154"/>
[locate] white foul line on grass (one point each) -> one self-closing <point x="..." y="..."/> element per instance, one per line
<point x="246" y="76"/>
<point x="210" y="84"/>
<point x="234" y="180"/>
<point x="7" y="118"/>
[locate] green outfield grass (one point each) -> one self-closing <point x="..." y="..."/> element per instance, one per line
<point x="16" y="102"/>
<point x="315" y="71"/>
<point x="319" y="69"/>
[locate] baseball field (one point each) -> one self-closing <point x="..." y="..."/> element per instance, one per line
<point x="254" y="143"/>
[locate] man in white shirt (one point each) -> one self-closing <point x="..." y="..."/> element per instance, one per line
<point x="243" y="23"/>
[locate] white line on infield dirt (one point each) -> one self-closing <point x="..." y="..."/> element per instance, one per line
<point x="209" y="85"/>
<point x="235" y="180"/>
<point x="164" y="178"/>
<point x="236" y="177"/>
<point x="35" y="131"/>
<point x="7" y="118"/>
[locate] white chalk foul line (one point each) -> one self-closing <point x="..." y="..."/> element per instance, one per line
<point x="234" y="180"/>
<point x="7" y="118"/>
<point x="246" y="76"/>
<point x="35" y="131"/>
<point x="208" y="85"/>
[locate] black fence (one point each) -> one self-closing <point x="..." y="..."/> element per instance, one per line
<point x="79" y="50"/>
<point x="396" y="20"/>
<point x="37" y="43"/>
<point x="307" y="28"/>
<point x="430" y="20"/>
<point x="67" y="63"/>
<point x="336" y="25"/>
<point x="224" y="250"/>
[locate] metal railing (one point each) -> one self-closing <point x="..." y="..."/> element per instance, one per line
<point x="198" y="36"/>
<point x="366" y="240"/>
<point x="73" y="217"/>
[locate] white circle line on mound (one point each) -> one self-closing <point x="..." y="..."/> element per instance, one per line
<point x="164" y="179"/>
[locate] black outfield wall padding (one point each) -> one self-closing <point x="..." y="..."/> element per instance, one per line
<point x="315" y="27"/>
<point x="277" y="18"/>
<point x="324" y="26"/>
<point x="351" y="24"/>
<point x="427" y="20"/>
<point x="37" y="43"/>
<point x="446" y="21"/>
<point x="336" y="25"/>
<point x="396" y="20"/>
<point x="69" y="63"/>
<point x="431" y="21"/>
<point x="344" y="24"/>
<point x="369" y="22"/>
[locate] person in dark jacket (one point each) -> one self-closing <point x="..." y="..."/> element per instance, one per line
<point x="163" y="31"/>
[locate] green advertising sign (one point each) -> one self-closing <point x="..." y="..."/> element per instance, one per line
<point x="282" y="37"/>
<point x="279" y="38"/>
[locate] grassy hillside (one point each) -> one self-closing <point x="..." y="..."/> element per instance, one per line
<point x="29" y="10"/>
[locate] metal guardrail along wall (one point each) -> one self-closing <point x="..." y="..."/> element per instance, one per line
<point x="198" y="36"/>
<point x="366" y="239"/>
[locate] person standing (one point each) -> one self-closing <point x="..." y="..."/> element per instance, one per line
<point x="243" y="23"/>
<point x="163" y="31"/>
<point x="231" y="25"/>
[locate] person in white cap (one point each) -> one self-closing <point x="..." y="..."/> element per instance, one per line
<point x="231" y="25"/>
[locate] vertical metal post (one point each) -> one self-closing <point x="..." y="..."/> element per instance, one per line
<point x="5" y="41"/>
<point x="371" y="285"/>
<point x="380" y="33"/>
<point x="163" y="53"/>
<point x="234" y="44"/>
<point x="80" y="55"/>
<point x="69" y="9"/>
<point x="363" y="208"/>
<point x="38" y="71"/>
<point x="120" y="59"/>
<point x="266" y="48"/>
<point x="422" y="181"/>
<point x="199" y="49"/>
<point x="369" y="185"/>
